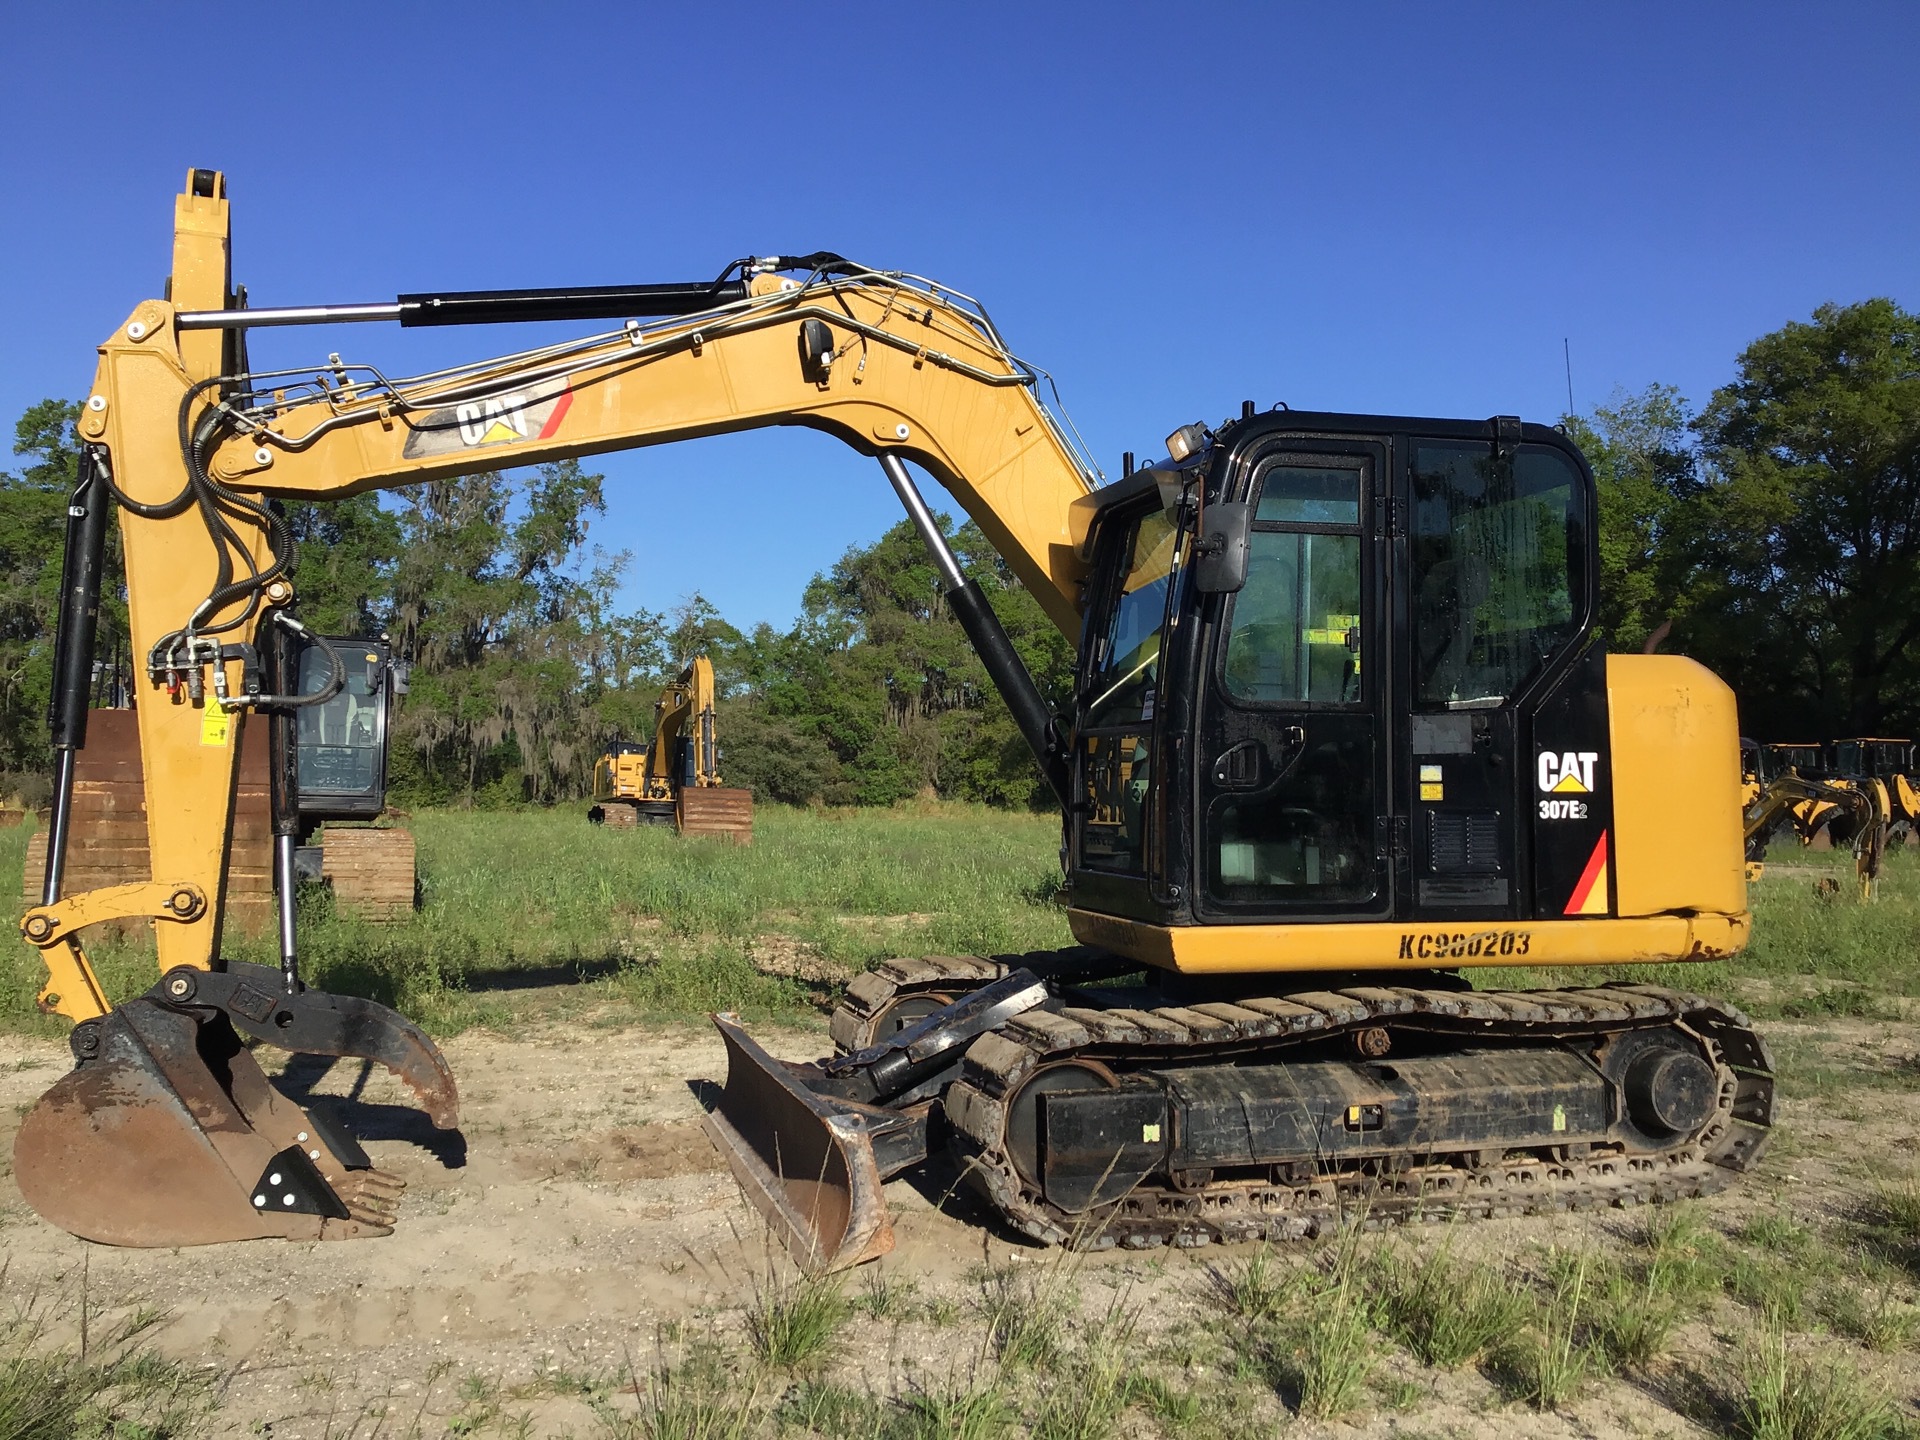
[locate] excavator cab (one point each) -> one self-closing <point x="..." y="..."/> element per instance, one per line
<point x="1335" y="730"/>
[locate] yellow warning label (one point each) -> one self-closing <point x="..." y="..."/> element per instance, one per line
<point x="213" y="724"/>
<point x="1429" y="772"/>
<point x="1149" y="1134"/>
<point x="1326" y="637"/>
<point x="1559" y="1118"/>
<point x="1343" y="622"/>
<point x="1432" y="790"/>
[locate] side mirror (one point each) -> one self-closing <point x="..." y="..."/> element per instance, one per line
<point x="1220" y="553"/>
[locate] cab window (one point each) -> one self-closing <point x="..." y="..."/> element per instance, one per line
<point x="1497" y="583"/>
<point x="1293" y="630"/>
<point x="1127" y="663"/>
<point x="1118" y="742"/>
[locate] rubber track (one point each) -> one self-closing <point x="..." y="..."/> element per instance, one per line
<point x="1264" y="1029"/>
<point x="868" y="995"/>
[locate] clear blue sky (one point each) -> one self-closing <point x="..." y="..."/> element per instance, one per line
<point x="1398" y="208"/>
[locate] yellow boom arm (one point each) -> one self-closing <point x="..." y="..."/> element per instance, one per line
<point x="891" y="365"/>
<point x="686" y="704"/>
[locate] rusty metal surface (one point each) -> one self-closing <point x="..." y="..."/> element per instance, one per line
<point x="806" y="1165"/>
<point x="160" y="1137"/>
<point x="316" y="1023"/>
<point x="167" y="1132"/>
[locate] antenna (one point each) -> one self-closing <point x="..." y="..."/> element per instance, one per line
<point x="1566" y="352"/>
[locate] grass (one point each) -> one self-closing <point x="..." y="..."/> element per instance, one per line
<point x="1550" y="1364"/>
<point x="793" y="1320"/>
<point x="656" y="925"/>
<point x="1318" y="1340"/>
<point x="693" y="1395"/>
<point x="1789" y="1396"/>
<point x="115" y="1389"/>
<point x="1447" y="1313"/>
<point x="1025" y="1308"/>
<point x="613" y="926"/>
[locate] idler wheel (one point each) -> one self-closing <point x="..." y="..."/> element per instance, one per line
<point x="906" y="1012"/>
<point x="1023" y="1110"/>
<point x="1670" y="1092"/>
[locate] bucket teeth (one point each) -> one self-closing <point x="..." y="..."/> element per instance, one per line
<point x="371" y="1196"/>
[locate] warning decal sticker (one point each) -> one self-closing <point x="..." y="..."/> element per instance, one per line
<point x="1590" y="894"/>
<point x="532" y="413"/>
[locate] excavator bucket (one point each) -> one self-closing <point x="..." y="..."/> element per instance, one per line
<point x="805" y="1161"/>
<point x="167" y="1131"/>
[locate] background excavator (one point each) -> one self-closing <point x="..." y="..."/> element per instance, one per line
<point x="1338" y="734"/>
<point x="674" y="779"/>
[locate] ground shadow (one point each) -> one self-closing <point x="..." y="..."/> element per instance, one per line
<point x="541" y="977"/>
<point x="363" y="1119"/>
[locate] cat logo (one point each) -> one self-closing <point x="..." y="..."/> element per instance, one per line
<point x="532" y="413"/>
<point x="1568" y="772"/>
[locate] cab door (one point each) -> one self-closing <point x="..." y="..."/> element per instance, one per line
<point x="1119" y="848"/>
<point x="1291" y="763"/>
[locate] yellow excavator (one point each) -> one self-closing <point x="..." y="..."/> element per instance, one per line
<point x="1856" y="811"/>
<point x="1338" y="736"/>
<point x="674" y="779"/>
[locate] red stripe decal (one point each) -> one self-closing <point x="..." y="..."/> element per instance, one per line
<point x="560" y="408"/>
<point x="1596" y="865"/>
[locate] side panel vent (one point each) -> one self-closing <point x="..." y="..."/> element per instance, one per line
<point x="1463" y="842"/>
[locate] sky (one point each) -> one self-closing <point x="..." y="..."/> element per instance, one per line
<point x="1402" y="209"/>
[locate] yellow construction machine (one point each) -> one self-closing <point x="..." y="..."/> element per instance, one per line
<point x="1855" y="812"/>
<point x="674" y="779"/>
<point x="1891" y="763"/>
<point x="1338" y="736"/>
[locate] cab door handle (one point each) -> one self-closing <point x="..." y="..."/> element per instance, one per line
<point x="1238" y="767"/>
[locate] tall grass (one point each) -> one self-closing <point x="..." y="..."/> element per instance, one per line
<point x="1797" y="1397"/>
<point x="663" y="925"/>
<point x="52" y="1389"/>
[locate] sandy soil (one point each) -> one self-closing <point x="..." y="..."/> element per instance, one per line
<point x="581" y="1222"/>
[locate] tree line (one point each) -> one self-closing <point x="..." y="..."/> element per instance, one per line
<point x="1773" y="534"/>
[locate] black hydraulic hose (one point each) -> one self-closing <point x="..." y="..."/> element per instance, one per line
<point x="73" y="644"/>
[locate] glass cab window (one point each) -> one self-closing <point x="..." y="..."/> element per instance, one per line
<point x="1293" y="635"/>
<point x="339" y="744"/>
<point x="1118" y="747"/>
<point x="1497" y="583"/>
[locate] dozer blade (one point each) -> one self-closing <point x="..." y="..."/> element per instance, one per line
<point x="806" y="1163"/>
<point x="167" y="1132"/>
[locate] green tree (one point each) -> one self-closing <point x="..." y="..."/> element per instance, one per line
<point x="1805" y="537"/>
<point x="33" y="519"/>
<point x="346" y="551"/>
<point x="502" y="626"/>
<point x="1645" y="471"/>
<point x="878" y="691"/>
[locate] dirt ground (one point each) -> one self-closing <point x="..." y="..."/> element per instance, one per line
<point x="581" y="1224"/>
